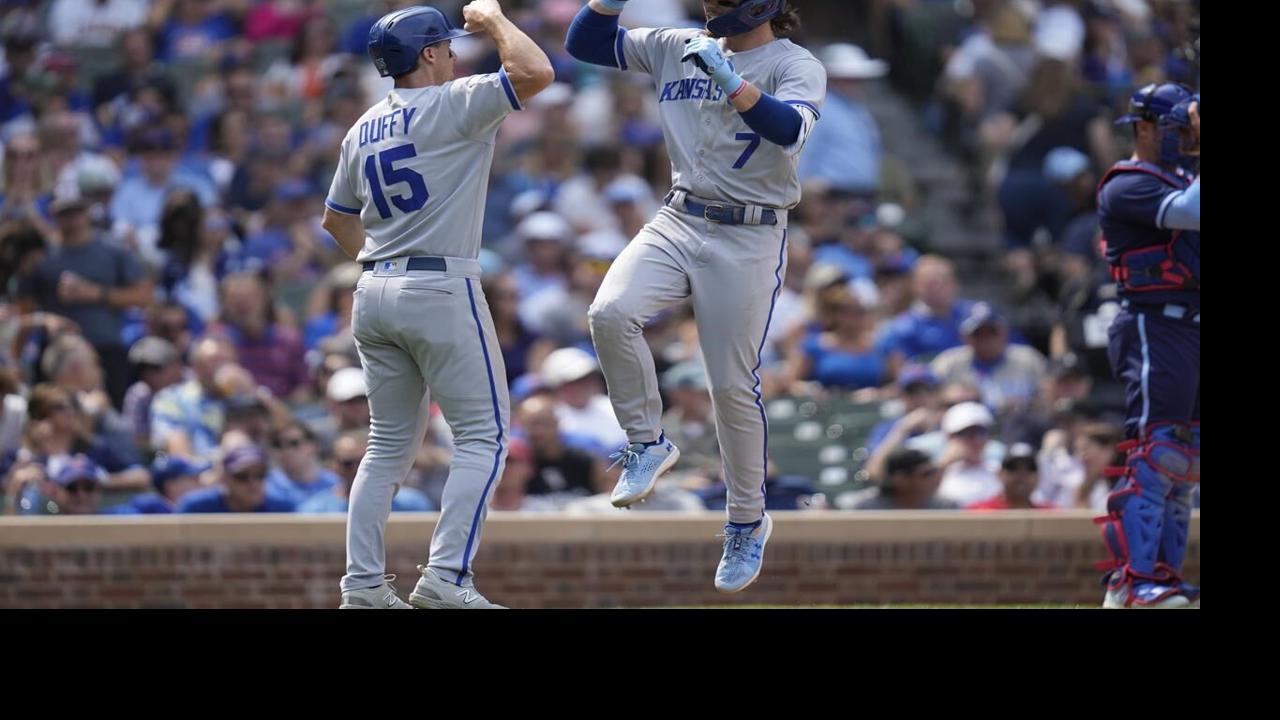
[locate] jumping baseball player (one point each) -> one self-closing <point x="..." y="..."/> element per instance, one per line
<point x="1149" y="214"/>
<point x="737" y="103"/>
<point x="407" y="201"/>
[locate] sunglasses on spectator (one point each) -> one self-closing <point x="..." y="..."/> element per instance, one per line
<point x="349" y="463"/>
<point x="973" y="432"/>
<point x="249" y="476"/>
<point x="82" y="488"/>
<point x="293" y="443"/>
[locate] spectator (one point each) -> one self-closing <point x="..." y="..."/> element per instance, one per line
<point x="933" y="322"/>
<point x="26" y="195"/>
<point x="1065" y="390"/>
<point x="271" y="350"/>
<point x="559" y="470"/>
<point x="242" y="486"/>
<point x="512" y="491"/>
<point x="157" y="366"/>
<point x="347" y="403"/>
<point x="918" y="392"/>
<point x="191" y="29"/>
<point x="174" y="477"/>
<point x="581" y="406"/>
<point x="546" y="237"/>
<point x="114" y="90"/>
<point x="331" y="305"/>
<point x="91" y="283"/>
<point x="1007" y="376"/>
<point x="967" y="474"/>
<point x="842" y="355"/>
<point x="77" y="487"/>
<point x="348" y="451"/>
<point x="187" y="419"/>
<point x="1074" y="477"/>
<point x="138" y="204"/>
<point x="845" y="151"/>
<point x="299" y="475"/>
<point x="1018" y="475"/>
<point x="910" y="482"/>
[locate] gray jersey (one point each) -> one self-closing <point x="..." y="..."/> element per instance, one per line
<point x="714" y="155"/>
<point x="415" y="167"/>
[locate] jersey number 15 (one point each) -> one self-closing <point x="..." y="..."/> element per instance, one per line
<point x="387" y="159"/>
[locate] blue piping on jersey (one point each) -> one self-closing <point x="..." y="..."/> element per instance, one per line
<point x="340" y="208"/>
<point x="510" y="89"/>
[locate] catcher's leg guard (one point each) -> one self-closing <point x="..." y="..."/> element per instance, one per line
<point x="1137" y="527"/>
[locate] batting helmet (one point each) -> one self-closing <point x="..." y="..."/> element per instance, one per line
<point x="747" y="16"/>
<point x="1166" y="106"/>
<point x="397" y="38"/>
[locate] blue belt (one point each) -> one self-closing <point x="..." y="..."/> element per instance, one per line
<point x="723" y="214"/>
<point x="426" y="262"/>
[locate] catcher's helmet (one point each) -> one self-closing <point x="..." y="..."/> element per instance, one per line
<point x="1166" y="105"/>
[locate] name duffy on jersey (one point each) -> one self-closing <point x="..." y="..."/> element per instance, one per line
<point x="393" y="123"/>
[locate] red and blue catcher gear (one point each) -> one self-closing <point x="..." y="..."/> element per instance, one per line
<point x="1151" y="263"/>
<point x="1149" y="513"/>
<point x="397" y="38"/>
<point x="747" y="16"/>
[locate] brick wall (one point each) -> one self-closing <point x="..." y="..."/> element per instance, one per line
<point x="534" y="562"/>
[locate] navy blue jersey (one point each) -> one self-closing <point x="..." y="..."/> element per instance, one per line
<point x="1152" y="264"/>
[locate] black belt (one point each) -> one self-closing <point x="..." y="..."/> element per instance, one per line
<point x="723" y="214"/>
<point x="425" y="262"/>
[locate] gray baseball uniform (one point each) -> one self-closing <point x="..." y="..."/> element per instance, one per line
<point x="732" y="273"/>
<point x="415" y="169"/>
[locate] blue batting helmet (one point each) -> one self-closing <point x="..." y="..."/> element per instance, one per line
<point x="747" y="16"/>
<point x="397" y="38"/>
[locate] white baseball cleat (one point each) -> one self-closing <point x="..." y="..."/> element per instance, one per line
<point x="435" y="593"/>
<point x="382" y="597"/>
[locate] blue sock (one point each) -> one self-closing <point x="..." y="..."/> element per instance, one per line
<point x="662" y="437"/>
<point x="746" y="526"/>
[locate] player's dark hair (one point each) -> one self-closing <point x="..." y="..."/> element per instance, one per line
<point x="787" y="23"/>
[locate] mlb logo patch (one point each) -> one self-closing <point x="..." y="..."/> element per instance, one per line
<point x="386" y="268"/>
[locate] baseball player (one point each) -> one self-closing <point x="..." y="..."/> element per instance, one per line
<point x="737" y="103"/>
<point x="407" y="201"/>
<point x="1149" y="214"/>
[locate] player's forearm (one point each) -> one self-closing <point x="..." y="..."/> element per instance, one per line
<point x="347" y="230"/>
<point x="774" y="120"/>
<point x="528" y="67"/>
<point x="593" y="35"/>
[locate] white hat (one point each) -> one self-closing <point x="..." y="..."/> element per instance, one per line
<point x="347" y="384"/>
<point x="966" y="415"/>
<point x="602" y="245"/>
<point x="566" y="365"/>
<point x="846" y="60"/>
<point x="544" y="225"/>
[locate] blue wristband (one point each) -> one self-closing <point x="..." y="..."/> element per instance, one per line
<point x="614" y="4"/>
